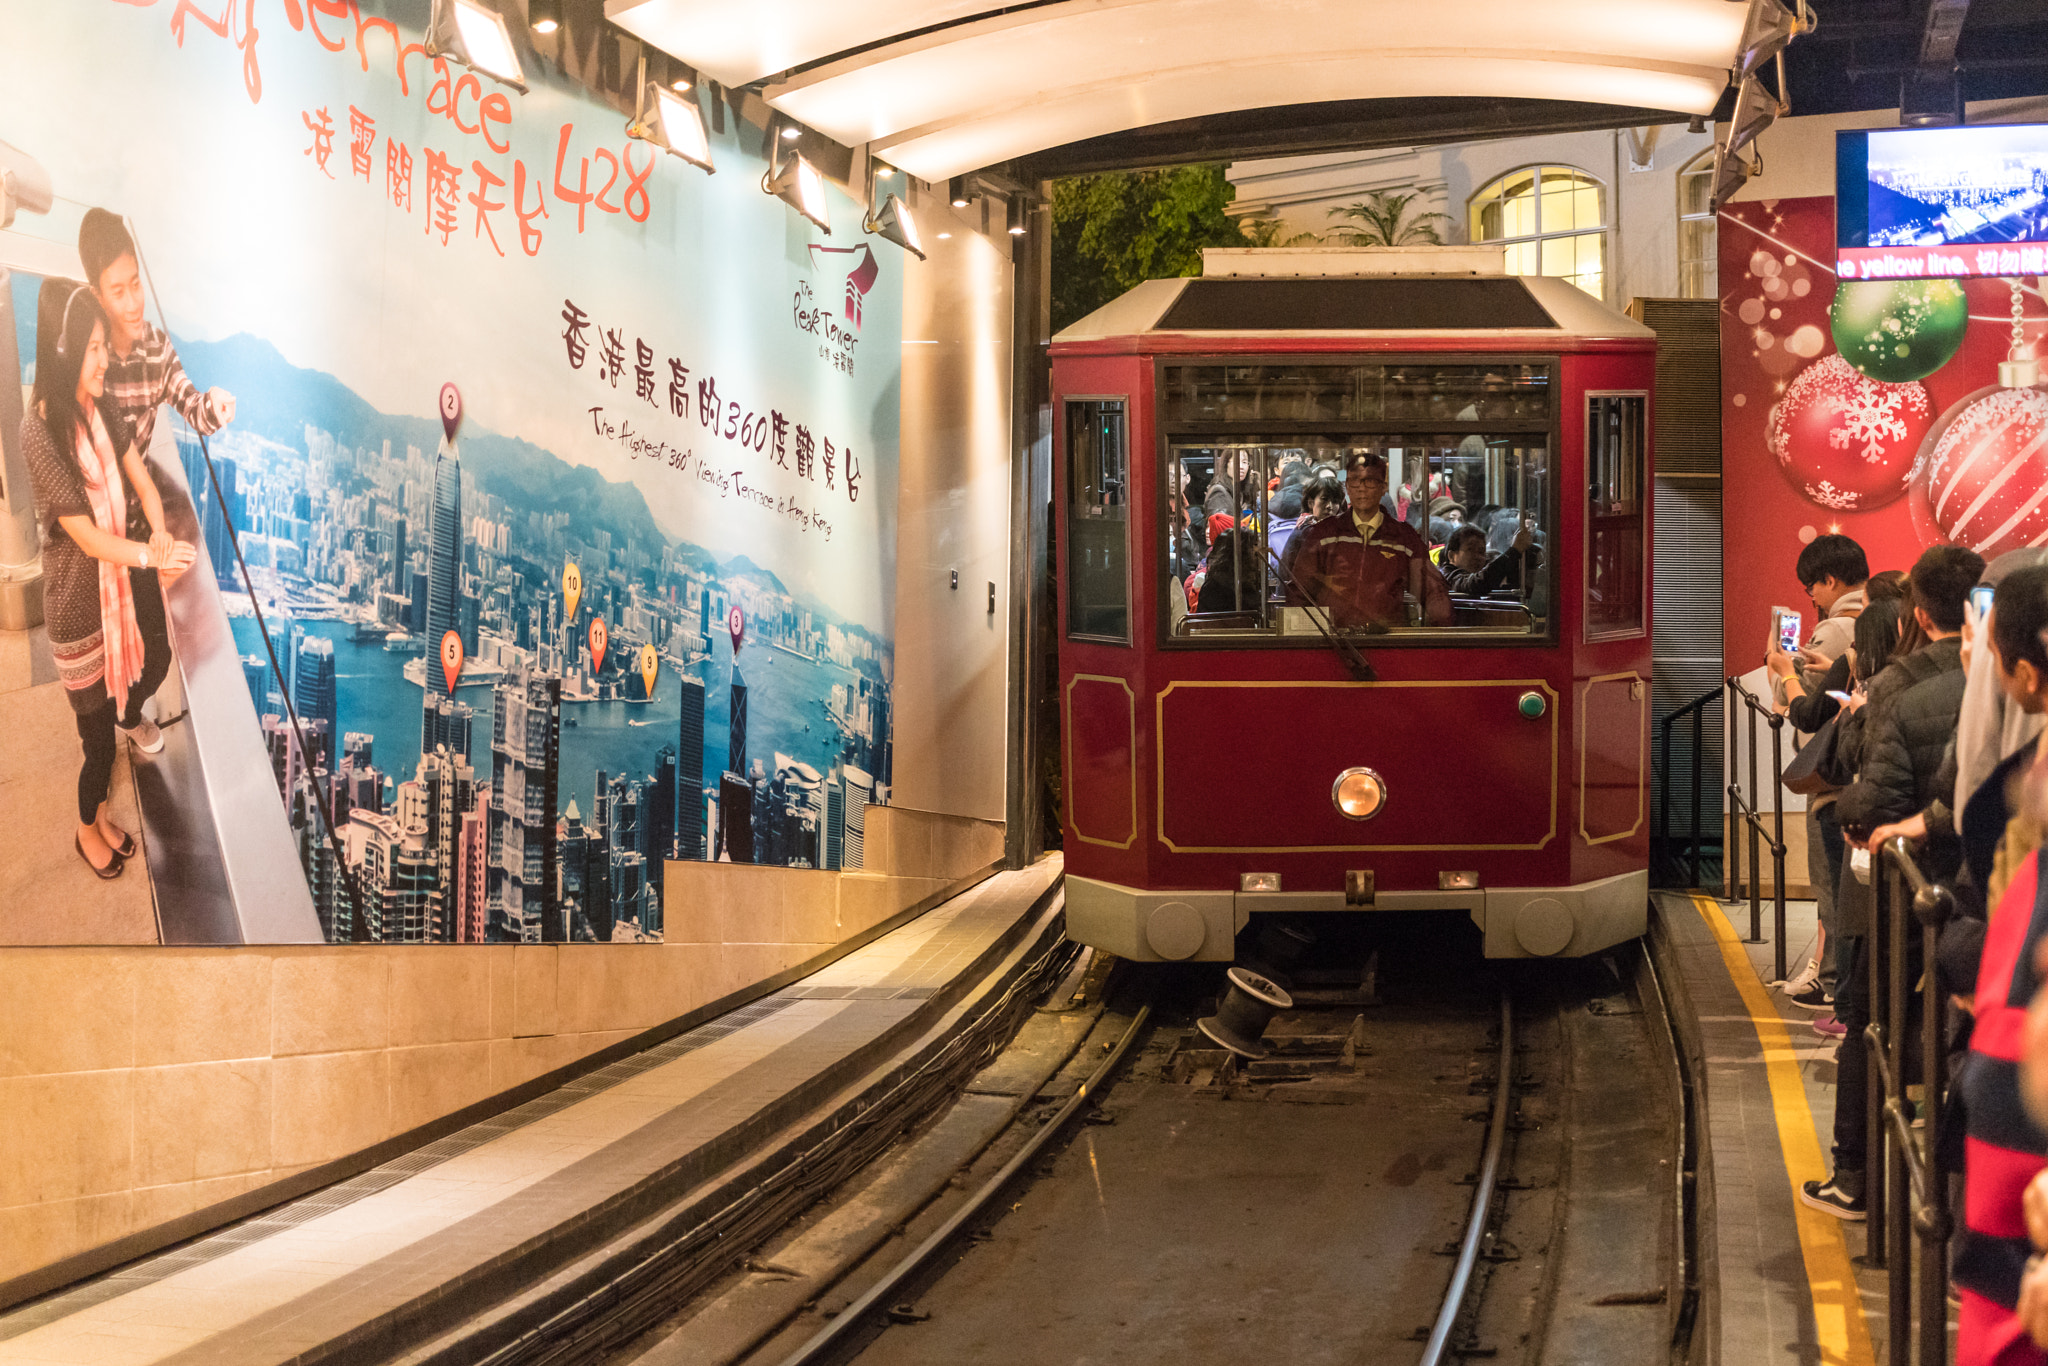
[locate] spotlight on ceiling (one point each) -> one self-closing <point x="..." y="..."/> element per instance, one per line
<point x="797" y="183"/>
<point x="544" y="16"/>
<point x="1016" y="215"/>
<point x="956" y="191"/>
<point x="1696" y="124"/>
<point x="792" y="133"/>
<point x="674" y="123"/>
<point x="894" y="224"/>
<point x="1766" y="30"/>
<point x="1755" y="110"/>
<point x="475" y="35"/>
<point x="884" y="172"/>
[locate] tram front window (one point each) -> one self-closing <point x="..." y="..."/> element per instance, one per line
<point x="1296" y="535"/>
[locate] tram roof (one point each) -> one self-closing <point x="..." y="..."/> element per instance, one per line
<point x="1537" y="310"/>
<point x="945" y="87"/>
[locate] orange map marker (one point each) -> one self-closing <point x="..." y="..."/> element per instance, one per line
<point x="650" y="666"/>
<point x="572" y="590"/>
<point x="451" y="658"/>
<point x="599" y="638"/>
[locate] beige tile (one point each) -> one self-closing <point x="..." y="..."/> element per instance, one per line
<point x="503" y="993"/>
<point x="160" y="1204"/>
<point x="331" y="1000"/>
<point x="67" y="1136"/>
<point x="440" y="995"/>
<point x="201" y="1120"/>
<point x="200" y="1005"/>
<point x="688" y="915"/>
<point x="534" y="971"/>
<point x="327" y="1105"/>
<point x="810" y="908"/>
<point x="437" y="1080"/>
<point x="866" y="900"/>
<point x="36" y="1235"/>
<point x="514" y="1062"/>
<point x="66" y="1010"/>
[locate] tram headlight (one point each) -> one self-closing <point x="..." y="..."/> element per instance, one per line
<point x="1359" y="793"/>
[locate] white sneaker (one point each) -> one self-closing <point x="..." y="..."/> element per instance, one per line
<point x="1803" y="979"/>
<point x="148" y="737"/>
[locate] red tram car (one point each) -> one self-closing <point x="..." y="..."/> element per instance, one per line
<point x="1480" y="747"/>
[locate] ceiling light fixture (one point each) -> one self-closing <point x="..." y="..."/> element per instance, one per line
<point x="475" y="35"/>
<point x="797" y="183"/>
<point x="1016" y="215"/>
<point x="673" y="122"/>
<point x="956" y="191"/>
<point x="544" y="16"/>
<point x="792" y="133"/>
<point x="894" y="224"/>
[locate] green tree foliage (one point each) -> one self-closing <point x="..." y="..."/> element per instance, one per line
<point x="1113" y="231"/>
<point x="1379" y="218"/>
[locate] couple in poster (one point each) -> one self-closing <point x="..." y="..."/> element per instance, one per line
<point x="102" y="372"/>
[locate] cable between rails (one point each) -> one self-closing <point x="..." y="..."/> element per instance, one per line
<point x="1439" y="1344"/>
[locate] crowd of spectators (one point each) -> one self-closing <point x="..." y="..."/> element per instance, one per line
<point x="1920" y="697"/>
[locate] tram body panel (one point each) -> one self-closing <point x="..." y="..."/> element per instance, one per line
<point x="1188" y="765"/>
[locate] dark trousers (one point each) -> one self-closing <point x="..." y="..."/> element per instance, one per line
<point x="96" y="732"/>
<point x="156" y="642"/>
<point x="1852" y="1061"/>
<point x="1835" y="849"/>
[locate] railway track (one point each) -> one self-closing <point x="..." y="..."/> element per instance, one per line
<point x="1398" y="1181"/>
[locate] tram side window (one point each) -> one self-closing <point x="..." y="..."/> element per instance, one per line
<point x="1098" y="521"/>
<point x="1615" y="436"/>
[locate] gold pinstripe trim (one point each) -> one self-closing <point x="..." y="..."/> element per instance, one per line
<point x="1642" y="742"/>
<point x="1131" y="712"/>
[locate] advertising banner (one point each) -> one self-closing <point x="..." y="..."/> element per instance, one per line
<point x="538" y="490"/>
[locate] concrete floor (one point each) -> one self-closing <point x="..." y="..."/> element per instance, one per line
<point x="47" y="895"/>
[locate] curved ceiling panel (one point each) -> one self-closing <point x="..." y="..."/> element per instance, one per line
<point x="974" y="91"/>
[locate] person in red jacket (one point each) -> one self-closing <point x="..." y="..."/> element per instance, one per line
<point x="1365" y="566"/>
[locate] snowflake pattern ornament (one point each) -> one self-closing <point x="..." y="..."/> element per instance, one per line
<point x="1985" y="470"/>
<point x="1847" y="442"/>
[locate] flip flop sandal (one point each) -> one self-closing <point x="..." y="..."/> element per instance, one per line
<point x="126" y="849"/>
<point x="106" y="874"/>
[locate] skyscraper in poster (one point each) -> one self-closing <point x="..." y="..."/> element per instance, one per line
<point x="690" y="772"/>
<point x="444" y="561"/>
<point x="526" y="741"/>
<point x="313" y="693"/>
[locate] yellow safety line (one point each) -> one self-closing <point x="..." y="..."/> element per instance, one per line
<point x="1837" y="1303"/>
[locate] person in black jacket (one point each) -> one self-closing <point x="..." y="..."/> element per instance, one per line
<point x="1470" y="574"/>
<point x="1908" y="720"/>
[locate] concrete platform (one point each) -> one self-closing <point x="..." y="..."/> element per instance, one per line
<point x="1782" y="1281"/>
<point x="381" y="1262"/>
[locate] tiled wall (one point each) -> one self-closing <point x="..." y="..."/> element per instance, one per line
<point x="139" y="1085"/>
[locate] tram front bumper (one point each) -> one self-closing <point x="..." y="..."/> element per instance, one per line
<point x="1202" y="927"/>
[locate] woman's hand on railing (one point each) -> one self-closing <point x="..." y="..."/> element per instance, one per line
<point x="1913" y="829"/>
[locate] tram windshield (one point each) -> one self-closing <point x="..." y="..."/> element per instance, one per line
<point x="1433" y="529"/>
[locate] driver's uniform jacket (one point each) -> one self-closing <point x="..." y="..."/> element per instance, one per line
<point x="1359" y="575"/>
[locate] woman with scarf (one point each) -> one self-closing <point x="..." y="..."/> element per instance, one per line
<point x="82" y="462"/>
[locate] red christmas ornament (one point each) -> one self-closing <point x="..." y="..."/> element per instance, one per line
<point x="1985" y="469"/>
<point x="1847" y="442"/>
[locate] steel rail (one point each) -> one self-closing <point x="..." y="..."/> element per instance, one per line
<point x="1439" y="1346"/>
<point x="834" y="1335"/>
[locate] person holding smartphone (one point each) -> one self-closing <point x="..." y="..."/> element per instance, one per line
<point x="81" y="459"/>
<point x="1835" y="572"/>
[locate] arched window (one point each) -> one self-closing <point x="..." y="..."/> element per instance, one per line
<point x="1554" y="221"/>
<point x="1698" y="276"/>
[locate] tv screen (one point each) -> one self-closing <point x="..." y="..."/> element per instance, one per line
<point x="1927" y="203"/>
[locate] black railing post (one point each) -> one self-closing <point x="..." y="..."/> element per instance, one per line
<point x="1731" y="837"/>
<point x="1699" y="763"/>
<point x="1663" y="840"/>
<point x="1874" y="1084"/>
<point x="1753" y="816"/>
<point x="1898" y="1192"/>
<point x="1778" y="835"/>
<point x="1933" y="1221"/>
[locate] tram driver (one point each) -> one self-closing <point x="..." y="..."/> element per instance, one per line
<point x="1364" y="566"/>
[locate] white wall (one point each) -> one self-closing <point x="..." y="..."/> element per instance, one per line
<point x="1642" y="259"/>
<point x="954" y="515"/>
<point x="1799" y="152"/>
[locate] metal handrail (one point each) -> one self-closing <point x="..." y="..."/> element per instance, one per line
<point x="1745" y="809"/>
<point x="1697" y="709"/>
<point x="1910" y="1198"/>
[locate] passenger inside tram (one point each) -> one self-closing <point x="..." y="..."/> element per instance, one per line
<point x="1473" y="570"/>
<point x="1366" y="569"/>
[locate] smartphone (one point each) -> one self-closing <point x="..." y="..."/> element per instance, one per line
<point x="1841" y="697"/>
<point x="1980" y="599"/>
<point x="1786" y="629"/>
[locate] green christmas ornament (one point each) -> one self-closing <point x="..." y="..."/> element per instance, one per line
<point x="1899" y="330"/>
